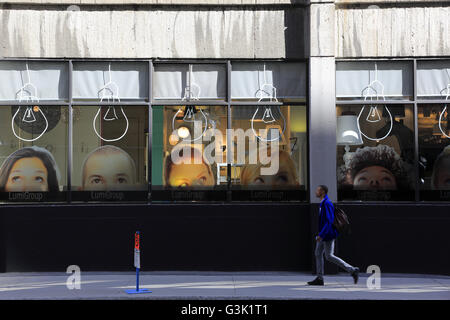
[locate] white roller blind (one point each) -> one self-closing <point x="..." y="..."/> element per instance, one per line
<point x="49" y="78"/>
<point x="131" y="79"/>
<point x="170" y="81"/>
<point x="288" y="78"/>
<point x="353" y="77"/>
<point x="433" y="77"/>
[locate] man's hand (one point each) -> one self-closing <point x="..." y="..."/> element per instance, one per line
<point x="318" y="238"/>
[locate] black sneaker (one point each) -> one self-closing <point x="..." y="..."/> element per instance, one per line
<point x="355" y="275"/>
<point x="316" y="282"/>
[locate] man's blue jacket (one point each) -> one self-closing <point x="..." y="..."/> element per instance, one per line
<point x="326" y="217"/>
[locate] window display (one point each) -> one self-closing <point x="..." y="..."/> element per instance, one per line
<point x="269" y="157"/>
<point x="109" y="158"/>
<point x="375" y="158"/>
<point x="190" y="153"/>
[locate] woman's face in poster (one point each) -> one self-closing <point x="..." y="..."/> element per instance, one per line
<point x="188" y="175"/>
<point x="374" y="178"/>
<point x="27" y="174"/>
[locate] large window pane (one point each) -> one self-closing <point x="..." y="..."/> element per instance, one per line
<point x="269" y="161"/>
<point x="189" y="81"/>
<point x="33" y="81"/>
<point x="374" y="80"/>
<point x="189" y="153"/>
<point x="375" y="153"/>
<point x="252" y="81"/>
<point x="33" y="151"/>
<point x="434" y="151"/>
<point x="110" y="153"/>
<point x="110" y="80"/>
<point x="433" y="79"/>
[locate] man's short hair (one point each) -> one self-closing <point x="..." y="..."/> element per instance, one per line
<point x="324" y="188"/>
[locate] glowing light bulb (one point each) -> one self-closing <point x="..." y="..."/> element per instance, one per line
<point x="192" y="118"/>
<point x="183" y="132"/>
<point x="173" y="139"/>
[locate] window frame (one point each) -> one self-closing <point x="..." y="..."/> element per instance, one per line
<point x="414" y="102"/>
<point x="150" y="102"/>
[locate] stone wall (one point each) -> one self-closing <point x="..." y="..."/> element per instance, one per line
<point x="393" y="31"/>
<point x="140" y="32"/>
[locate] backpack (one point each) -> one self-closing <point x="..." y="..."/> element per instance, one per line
<point x="341" y="221"/>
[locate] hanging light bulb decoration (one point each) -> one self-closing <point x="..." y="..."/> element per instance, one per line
<point x="190" y="118"/>
<point x="370" y="93"/>
<point x="441" y="115"/>
<point x="28" y="93"/>
<point x="110" y="93"/>
<point x="267" y="92"/>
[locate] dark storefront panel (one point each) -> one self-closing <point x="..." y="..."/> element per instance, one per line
<point x="173" y="237"/>
<point x="402" y="238"/>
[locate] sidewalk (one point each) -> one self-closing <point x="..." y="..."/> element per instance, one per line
<point x="221" y="285"/>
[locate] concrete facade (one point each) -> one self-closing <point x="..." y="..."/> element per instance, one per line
<point x="389" y="31"/>
<point x="129" y="32"/>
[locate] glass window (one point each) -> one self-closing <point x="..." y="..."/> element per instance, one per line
<point x="375" y="153"/>
<point x="433" y="79"/>
<point x="110" y="153"/>
<point x="33" y="81"/>
<point x="369" y="80"/>
<point x="284" y="81"/>
<point x="189" y="82"/>
<point x="189" y="153"/>
<point x="108" y="80"/>
<point x="269" y="159"/>
<point x="33" y="151"/>
<point x="434" y="151"/>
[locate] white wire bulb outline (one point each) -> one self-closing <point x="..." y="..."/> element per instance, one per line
<point x="447" y="96"/>
<point x="113" y="97"/>
<point x="29" y="97"/>
<point x="368" y="88"/>
<point x="272" y="96"/>
<point x="188" y="111"/>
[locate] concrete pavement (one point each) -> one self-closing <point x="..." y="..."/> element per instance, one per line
<point x="221" y="285"/>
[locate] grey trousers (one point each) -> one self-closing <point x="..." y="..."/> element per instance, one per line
<point x="327" y="247"/>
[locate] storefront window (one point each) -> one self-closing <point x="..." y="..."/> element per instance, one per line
<point x="434" y="151"/>
<point x="252" y="81"/>
<point x="183" y="82"/>
<point x="269" y="161"/>
<point x="110" y="153"/>
<point x="362" y="80"/>
<point x="110" y="139"/>
<point x="189" y="153"/>
<point x="433" y="83"/>
<point x="33" y="136"/>
<point x="375" y="153"/>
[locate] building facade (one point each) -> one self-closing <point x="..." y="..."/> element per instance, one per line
<point x="207" y="125"/>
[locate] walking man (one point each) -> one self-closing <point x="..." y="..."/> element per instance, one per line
<point x="325" y="239"/>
